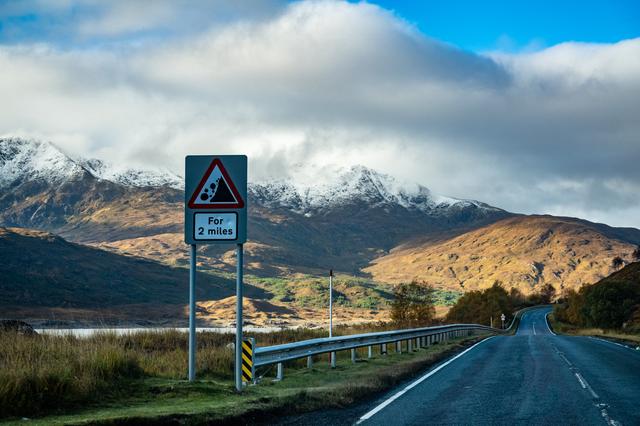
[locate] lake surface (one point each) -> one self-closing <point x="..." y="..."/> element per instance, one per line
<point x="86" y="332"/>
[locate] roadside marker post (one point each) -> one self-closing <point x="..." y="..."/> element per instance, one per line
<point x="502" y="317"/>
<point x="248" y="369"/>
<point x="215" y="212"/>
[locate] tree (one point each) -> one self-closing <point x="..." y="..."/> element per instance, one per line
<point x="609" y="304"/>
<point x="517" y="298"/>
<point x="617" y="262"/>
<point x="413" y="304"/>
<point x="547" y="293"/>
<point x="480" y="306"/>
<point x="572" y="310"/>
<point x="636" y="254"/>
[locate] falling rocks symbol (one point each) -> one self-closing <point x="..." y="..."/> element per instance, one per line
<point x="218" y="192"/>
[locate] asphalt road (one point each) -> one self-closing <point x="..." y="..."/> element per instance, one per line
<point x="532" y="378"/>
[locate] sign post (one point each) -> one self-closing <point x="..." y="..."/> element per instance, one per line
<point x="192" y="313"/>
<point x="331" y="303"/>
<point x="502" y="317"/>
<point x="215" y="212"/>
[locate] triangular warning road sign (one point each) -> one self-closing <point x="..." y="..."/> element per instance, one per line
<point x="216" y="190"/>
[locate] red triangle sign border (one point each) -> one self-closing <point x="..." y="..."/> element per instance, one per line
<point x="238" y="205"/>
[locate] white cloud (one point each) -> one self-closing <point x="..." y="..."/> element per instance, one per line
<point x="329" y="82"/>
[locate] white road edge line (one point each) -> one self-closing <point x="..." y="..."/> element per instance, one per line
<point x="613" y="343"/>
<point x="534" y="328"/>
<point x="380" y="407"/>
<point x="546" y="320"/>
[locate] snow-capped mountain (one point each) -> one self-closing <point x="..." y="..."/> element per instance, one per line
<point x="133" y="177"/>
<point x="357" y="184"/>
<point x="23" y="159"/>
<point x="31" y="160"/>
<point x="341" y="218"/>
<point x="28" y="160"/>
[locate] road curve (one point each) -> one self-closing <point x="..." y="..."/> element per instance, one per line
<point x="532" y="378"/>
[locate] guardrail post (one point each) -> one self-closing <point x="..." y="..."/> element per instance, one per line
<point x="333" y="360"/>
<point x="369" y="351"/>
<point x="353" y="356"/>
<point x="399" y="347"/>
<point x="310" y="362"/>
<point x="410" y="345"/>
<point x="383" y="349"/>
<point x="280" y="372"/>
<point x="418" y="341"/>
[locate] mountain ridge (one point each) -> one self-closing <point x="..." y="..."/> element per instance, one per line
<point x="356" y="221"/>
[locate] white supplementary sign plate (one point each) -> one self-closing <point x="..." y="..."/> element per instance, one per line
<point x="215" y="226"/>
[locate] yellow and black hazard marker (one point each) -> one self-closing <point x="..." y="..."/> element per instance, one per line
<point x="247" y="360"/>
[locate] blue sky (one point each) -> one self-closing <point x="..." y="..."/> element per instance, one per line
<point x="516" y="25"/>
<point x="486" y="25"/>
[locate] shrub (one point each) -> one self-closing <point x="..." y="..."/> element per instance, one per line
<point x="480" y="306"/>
<point x="413" y="305"/>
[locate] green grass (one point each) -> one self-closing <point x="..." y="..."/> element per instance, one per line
<point x="157" y="400"/>
<point x="311" y="291"/>
<point x="42" y="372"/>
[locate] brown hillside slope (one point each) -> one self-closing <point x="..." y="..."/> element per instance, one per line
<point x="631" y="272"/>
<point x="524" y="252"/>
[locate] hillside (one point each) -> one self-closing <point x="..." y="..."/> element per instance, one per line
<point x="39" y="269"/>
<point x="630" y="273"/>
<point x="524" y="252"/>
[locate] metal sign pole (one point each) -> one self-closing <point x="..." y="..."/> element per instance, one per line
<point x="192" y="315"/>
<point x="331" y="303"/>
<point x="238" y="365"/>
<point x="215" y="212"/>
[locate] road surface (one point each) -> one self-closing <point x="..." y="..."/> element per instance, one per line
<point x="532" y="378"/>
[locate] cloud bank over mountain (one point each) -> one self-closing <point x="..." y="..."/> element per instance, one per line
<point x="552" y="131"/>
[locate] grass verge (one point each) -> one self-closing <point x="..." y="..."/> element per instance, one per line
<point x="156" y="400"/>
<point x="615" y="335"/>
